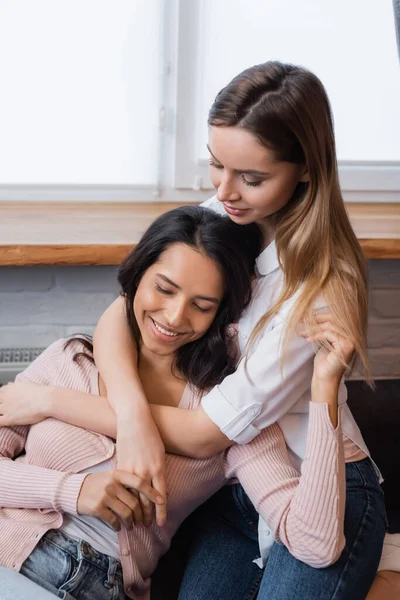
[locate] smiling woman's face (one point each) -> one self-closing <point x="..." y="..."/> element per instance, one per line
<point x="177" y="299"/>
<point x="250" y="182"/>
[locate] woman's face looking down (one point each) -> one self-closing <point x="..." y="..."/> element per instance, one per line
<point x="177" y="299"/>
<point x="250" y="182"/>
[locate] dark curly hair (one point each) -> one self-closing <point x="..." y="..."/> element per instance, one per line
<point x="207" y="361"/>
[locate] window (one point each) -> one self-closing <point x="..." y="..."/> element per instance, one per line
<point x="108" y="99"/>
<point x="351" y="46"/>
<point x="80" y="94"/>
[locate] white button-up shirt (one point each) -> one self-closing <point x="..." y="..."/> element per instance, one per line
<point x="271" y="387"/>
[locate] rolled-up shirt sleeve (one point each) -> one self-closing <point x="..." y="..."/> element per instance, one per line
<point x="262" y="390"/>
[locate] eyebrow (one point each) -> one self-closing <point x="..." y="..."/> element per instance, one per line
<point x="247" y="171"/>
<point x="175" y="285"/>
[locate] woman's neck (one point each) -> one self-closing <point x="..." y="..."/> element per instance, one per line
<point x="268" y="230"/>
<point x="161" y="384"/>
<point x="148" y="361"/>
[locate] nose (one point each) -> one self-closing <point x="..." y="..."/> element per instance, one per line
<point x="226" y="191"/>
<point x="176" y="314"/>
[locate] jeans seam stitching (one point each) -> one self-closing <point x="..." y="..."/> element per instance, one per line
<point x="49" y="541"/>
<point x="353" y="550"/>
<point x="250" y="595"/>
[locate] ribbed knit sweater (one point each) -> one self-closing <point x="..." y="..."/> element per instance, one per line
<point x="306" y="513"/>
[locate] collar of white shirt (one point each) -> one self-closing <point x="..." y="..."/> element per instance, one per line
<point x="267" y="261"/>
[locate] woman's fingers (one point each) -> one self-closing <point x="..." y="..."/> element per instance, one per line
<point x="130" y="500"/>
<point x="147" y="510"/>
<point x="113" y="497"/>
<point x="326" y="324"/>
<point x="323" y="317"/>
<point x="340" y="345"/>
<point x="123" y="511"/>
<point x="159" y="484"/>
<point x="130" y="480"/>
<point x="108" y="516"/>
<point x="324" y="329"/>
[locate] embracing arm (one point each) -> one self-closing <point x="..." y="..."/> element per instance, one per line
<point x="25" y="402"/>
<point x="116" y="358"/>
<point x="176" y="425"/>
<point x="140" y="448"/>
<point x="250" y="399"/>
<point x="253" y="397"/>
<point x="190" y="433"/>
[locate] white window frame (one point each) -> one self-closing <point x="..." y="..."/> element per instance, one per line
<point x="181" y="177"/>
<point x="96" y="193"/>
<point x="361" y="181"/>
<point x="77" y="193"/>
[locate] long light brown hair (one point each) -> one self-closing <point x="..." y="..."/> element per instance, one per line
<point x="287" y="109"/>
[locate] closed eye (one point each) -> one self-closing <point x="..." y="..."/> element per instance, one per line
<point x="251" y="183"/>
<point x="203" y="310"/>
<point x="163" y="290"/>
<point x="214" y="164"/>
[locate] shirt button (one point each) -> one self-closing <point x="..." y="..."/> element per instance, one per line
<point x="125" y="552"/>
<point x="252" y="412"/>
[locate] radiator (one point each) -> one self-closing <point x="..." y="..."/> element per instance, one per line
<point x="15" y="360"/>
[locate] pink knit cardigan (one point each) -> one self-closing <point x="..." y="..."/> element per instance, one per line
<point x="36" y="487"/>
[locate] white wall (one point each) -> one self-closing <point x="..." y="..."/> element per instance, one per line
<point x="349" y="44"/>
<point x="80" y="91"/>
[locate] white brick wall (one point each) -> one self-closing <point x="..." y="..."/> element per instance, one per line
<point x="40" y="304"/>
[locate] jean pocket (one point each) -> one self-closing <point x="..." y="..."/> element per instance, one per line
<point x="76" y="577"/>
<point x="48" y="563"/>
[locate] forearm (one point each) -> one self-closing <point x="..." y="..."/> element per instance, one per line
<point x="82" y="410"/>
<point x="186" y="432"/>
<point x="315" y="522"/>
<point x="28" y="486"/>
<point x="115" y="355"/>
<point x="306" y="512"/>
<point x="326" y="392"/>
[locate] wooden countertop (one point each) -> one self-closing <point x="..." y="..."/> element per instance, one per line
<point x="103" y="233"/>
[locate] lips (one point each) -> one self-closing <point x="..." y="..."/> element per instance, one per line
<point x="237" y="212"/>
<point x="164" y="334"/>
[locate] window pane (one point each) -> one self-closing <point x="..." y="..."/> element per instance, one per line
<point x="80" y="83"/>
<point x="351" y="46"/>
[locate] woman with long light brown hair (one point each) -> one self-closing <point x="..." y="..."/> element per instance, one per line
<point x="273" y="162"/>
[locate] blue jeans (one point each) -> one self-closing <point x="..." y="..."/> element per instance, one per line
<point x="73" y="570"/>
<point x="14" y="586"/>
<point x="226" y="542"/>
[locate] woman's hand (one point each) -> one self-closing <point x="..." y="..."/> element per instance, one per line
<point x="140" y="450"/>
<point x="24" y="403"/>
<point x="333" y="355"/>
<point x="110" y="496"/>
<point x="335" y="351"/>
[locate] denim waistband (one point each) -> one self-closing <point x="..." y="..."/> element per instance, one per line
<point x="79" y="549"/>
